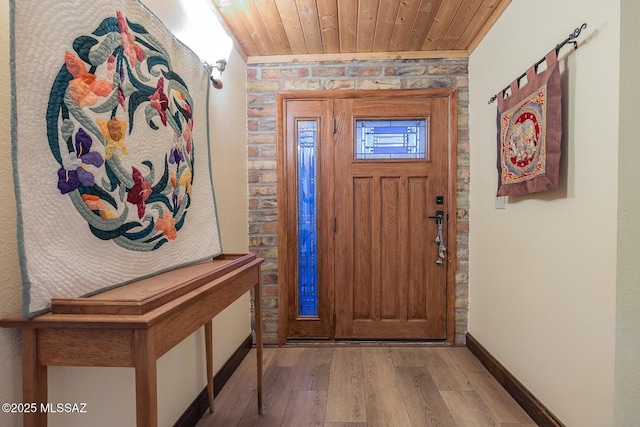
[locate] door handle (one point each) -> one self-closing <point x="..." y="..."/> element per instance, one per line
<point x="439" y="217"/>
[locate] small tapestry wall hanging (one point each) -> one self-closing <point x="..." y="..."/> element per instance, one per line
<point x="110" y="148"/>
<point x="529" y="133"/>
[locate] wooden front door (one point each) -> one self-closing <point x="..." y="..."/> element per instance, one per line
<point x="388" y="284"/>
<point x="380" y="274"/>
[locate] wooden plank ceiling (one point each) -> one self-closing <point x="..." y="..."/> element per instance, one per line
<point x="281" y="30"/>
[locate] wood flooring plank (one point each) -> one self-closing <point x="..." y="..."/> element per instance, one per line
<point x="501" y="404"/>
<point x="277" y="389"/>
<point x="445" y="372"/>
<point x="288" y="356"/>
<point x="518" y="425"/>
<point x="229" y="408"/>
<point x="267" y="356"/>
<point x="383" y="396"/>
<point x="408" y="356"/>
<point x="465" y="360"/>
<point x="345" y="402"/>
<point x="305" y="409"/>
<point x="468" y="409"/>
<point x="432" y="386"/>
<point x="345" y="424"/>
<point x="313" y="373"/>
<point x="237" y="394"/>
<point x="422" y="398"/>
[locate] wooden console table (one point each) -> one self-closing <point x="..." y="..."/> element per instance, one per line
<point x="132" y="326"/>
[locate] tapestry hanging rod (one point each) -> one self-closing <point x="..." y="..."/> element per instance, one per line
<point x="571" y="39"/>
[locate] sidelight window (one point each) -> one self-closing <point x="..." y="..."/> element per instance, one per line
<point x="306" y="133"/>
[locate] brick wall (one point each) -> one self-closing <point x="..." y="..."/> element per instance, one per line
<point x="264" y="80"/>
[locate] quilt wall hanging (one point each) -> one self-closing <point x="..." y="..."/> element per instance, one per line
<point x="110" y="148"/>
<point x="530" y="132"/>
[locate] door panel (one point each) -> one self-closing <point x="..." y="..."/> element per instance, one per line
<point x="417" y="273"/>
<point x="387" y="283"/>
<point x="364" y="244"/>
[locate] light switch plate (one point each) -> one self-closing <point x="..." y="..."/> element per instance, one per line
<point x="501" y="202"/>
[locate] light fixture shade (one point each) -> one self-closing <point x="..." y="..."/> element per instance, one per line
<point x="197" y="25"/>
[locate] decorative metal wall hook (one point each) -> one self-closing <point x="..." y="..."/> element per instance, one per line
<point x="571" y="39"/>
<point x="577" y="31"/>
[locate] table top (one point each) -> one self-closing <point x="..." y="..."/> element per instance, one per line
<point x="139" y="304"/>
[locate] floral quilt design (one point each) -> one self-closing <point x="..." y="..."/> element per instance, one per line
<point x="116" y="81"/>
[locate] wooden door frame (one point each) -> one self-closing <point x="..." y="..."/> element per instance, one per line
<point x="283" y="241"/>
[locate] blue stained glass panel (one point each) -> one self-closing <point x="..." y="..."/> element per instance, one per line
<point x="306" y="133"/>
<point x="391" y="139"/>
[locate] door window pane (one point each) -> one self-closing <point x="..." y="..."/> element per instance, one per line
<point x="391" y="139"/>
<point x="306" y="133"/>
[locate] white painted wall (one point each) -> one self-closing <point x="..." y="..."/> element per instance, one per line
<point x="627" y="388"/>
<point x="110" y="392"/>
<point x="543" y="271"/>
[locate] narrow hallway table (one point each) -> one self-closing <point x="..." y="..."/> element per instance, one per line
<point x="133" y="325"/>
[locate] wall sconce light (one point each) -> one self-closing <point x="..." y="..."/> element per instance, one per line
<point x="196" y="24"/>
<point x="220" y="65"/>
<point x="201" y="29"/>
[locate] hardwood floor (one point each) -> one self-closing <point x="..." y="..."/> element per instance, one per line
<point x="358" y="386"/>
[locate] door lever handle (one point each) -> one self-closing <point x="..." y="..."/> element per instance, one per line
<point x="439" y="217"/>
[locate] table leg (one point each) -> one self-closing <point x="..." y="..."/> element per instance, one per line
<point x="257" y="305"/>
<point x="208" y="340"/>
<point x="34" y="379"/>
<point x="146" y="380"/>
